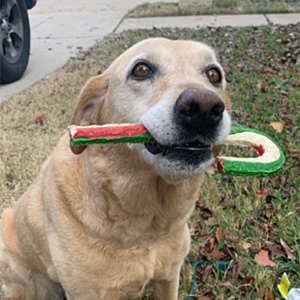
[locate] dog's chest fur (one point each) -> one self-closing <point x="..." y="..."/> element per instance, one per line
<point x="131" y="229"/>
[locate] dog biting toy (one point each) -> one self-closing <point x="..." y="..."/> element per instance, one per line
<point x="270" y="157"/>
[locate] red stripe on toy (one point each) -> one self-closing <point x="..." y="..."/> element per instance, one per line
<point x="220" y="165"/>
<point x="259" y="150"/>
<point x="95" y="132"/>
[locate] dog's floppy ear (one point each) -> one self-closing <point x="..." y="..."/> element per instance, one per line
<point x="217" y="149"/>
<point x="89" y="104"/>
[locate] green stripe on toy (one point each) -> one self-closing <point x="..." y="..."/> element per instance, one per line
<point x="269" y="161"/>
<point x="137" y="139"/>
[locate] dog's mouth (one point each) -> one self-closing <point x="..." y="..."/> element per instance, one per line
<point x="156" y="148"/>
<point x="181" y="159"/>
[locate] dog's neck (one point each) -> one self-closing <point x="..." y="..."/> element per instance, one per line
<point x="127" y="204"/>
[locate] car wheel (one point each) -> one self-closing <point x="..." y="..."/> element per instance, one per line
<point x="14" y="40"/>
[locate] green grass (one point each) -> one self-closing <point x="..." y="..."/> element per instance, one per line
<point x="218" y="7"/>
<point x="263" y="72"/>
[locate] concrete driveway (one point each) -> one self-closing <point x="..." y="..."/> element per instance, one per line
<point x="62" y="28"/>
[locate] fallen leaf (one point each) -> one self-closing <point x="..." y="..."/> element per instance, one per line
<point x="295" y="129"/>
<point x="269" y="226"/>
<point x="290" y="117"/>
<point x="246" y="245"/>
<point x="211" y="244"/>
<point x="262" y="193"/>
<point x="269" y="296"/>
<point x="204" y="298"/>
<point x="233" y="273"/>
<point x="270" y="197"/>
<point x="274" y="249"/>
<point x="212" y="221"/>
<point x="225" y="284"/>
<point x="260" y="84"/>
<point x="246" y="284"/>
<point x="20" y="128"/>
<point x="211" y="254"/>
<point x="287" y="250"/>
<point x="40" y="119"/>
<point x="219" y="234"/>
<point x="278" y="86"/>
<point x="196" y="233"/>
<point x="257" y="213"/>
<point x="277" y="126"/>
<point x="229" y="276"/>
<point x="282" y="92"/>
<point x="9" y="177"/>
<point x="229" y="253"/>
<point x="204" y="236"/>
<point x="205" y="213"/>
<point x="239" y="268"/>
<point x="200" y="202"/>
<point x="206" y="272"/>
<point x="262" y="258"/>
<point x="244" y="116"/>
<point x="250" y="222"/>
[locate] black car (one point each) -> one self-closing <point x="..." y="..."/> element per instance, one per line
<point x="14" y="38"/>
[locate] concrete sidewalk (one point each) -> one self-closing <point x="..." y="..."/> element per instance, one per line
<point x="203" y="21"/>
<point x="60" y="29"/>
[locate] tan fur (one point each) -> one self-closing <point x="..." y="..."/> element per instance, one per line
<point x="101" y="224"/>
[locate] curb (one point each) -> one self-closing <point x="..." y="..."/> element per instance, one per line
<point x="207" y="20"/>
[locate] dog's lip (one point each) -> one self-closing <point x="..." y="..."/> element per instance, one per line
<point x="156" y="148"/>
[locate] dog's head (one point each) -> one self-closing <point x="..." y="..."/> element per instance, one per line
<point x="176" y="89"/>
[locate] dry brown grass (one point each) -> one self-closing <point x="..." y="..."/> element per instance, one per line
<point x="24" y="145"/>
<point x="219" y="7"/>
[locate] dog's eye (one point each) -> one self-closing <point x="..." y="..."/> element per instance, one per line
<point x="214" y="76"/>
<point x="141" y="71"/>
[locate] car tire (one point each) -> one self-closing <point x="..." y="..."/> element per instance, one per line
<point x="14" y="40"/>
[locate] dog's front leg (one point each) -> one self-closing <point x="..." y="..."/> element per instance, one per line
<point x="166" y="290"/>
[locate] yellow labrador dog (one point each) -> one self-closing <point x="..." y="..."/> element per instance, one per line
<point x="102" y="222"/>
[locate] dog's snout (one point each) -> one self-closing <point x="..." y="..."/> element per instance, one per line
<point x="199" y="108"/>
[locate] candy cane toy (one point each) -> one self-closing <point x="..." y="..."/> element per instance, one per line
<point x="270" y="157"/>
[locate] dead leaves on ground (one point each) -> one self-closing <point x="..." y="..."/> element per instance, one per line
<point x="274" y="249"/>
<point x="40" y="119"/>
<point x="287" y="250"/>
<point x="216" y="248"/>
<point x="219" y="233"/>
<point x="264" y="192"/>
<point x="267" y="101"/>
<point x="277" y="126"/>
<point x="262" y="258"/>
<point x="247" y="284"/>
<point x="269" y="296"/>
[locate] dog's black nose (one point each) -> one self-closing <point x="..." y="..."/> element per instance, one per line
<point x="199" y="108"/>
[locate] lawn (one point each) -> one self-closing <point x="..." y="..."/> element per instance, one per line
<point x="218" y="7"/>
<point x="234" y="218"/>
